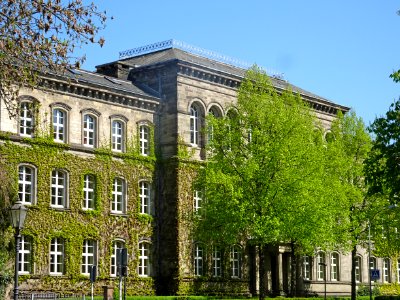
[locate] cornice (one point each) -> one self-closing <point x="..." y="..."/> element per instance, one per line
<point x="98" y="93"/>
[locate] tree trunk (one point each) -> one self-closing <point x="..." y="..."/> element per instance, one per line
<point x="293" y="272"/>
<point x="262" y="271"/>
<point x="353" y="273"/>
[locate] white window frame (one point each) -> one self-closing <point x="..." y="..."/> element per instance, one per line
<point x="198" y="260"/>
<point x="59" y="125"/>
<point x="89" y="253"/>
<point x="235" y="259"/>
<point x="197" y="200"/>
<point x="25" y="255"/>
<point x="398" y="270"/>
<point x="307" y="267"/>
<point x="26" y="184"/>
<point x="117" y="135"/>
<point x="116" y="245"/>
<point x="89" y="130"/>
<point x="194" y="125"/>
<point x="26" y="119"/>
<point x="89" y="195"/>
<point x="144" y="139"/>
<point x="321" y="266"/>
<point x="334" y="266"/>
<point x="386" y="270"/>
<point x="216" y="261"/>
<point x="145" y="197"/>
<point x="59" y="190"/>
<point x="144" y="267"/>
<point x="57" y="256"/>
<point x="118" y="196"/>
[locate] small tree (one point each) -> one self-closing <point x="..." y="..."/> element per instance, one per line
<point x="269" y="178"/>
<point x="41" y="36"/>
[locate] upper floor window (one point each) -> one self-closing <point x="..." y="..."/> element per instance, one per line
<point x="386" y="270"/>
<point x="144" y="138"/>
<point x="194" y="125"/>
<point x="357" y="264"/>
<point x="117" y="246"/>
<point x="217" y="261"/>
<point x="145" y="197"/>
<point x="26" y="119"/>
<point x="25" y="255"/>
<point x="144" y="259"/>
<point x="26" y="184"/>
<point x="118" y="204"/>
<point x="321" y="266"/>
<point x="89" y="184"/>
<point x="117" y="136"/>
<point x="334" y="267"/>
<point x="88" y="256"/>
<point x="198" y="260"/>
<point x="235" y="258"/>
<point x="307" y="267"/>
<point x="197" y="199"/>
<point x="59" y="125"/>
<point x="57" y="256"/>
<point x="59" y="189"/>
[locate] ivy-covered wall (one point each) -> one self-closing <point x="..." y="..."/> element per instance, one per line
<point x="75" y="224"/>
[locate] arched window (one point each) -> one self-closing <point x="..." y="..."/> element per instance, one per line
<point x="198" y="260"/>
<point x="57" y="256"/>
<point x="307" y="267"/>
<point x="89" y="130"/>
<point x="358" y="268"/>
<point x="89" y="186"/>
<point x="194" y="125"/>
<point x="334" y="266"/>
<point x="25" y="255"/>
<point x="117" y="135"/>
<point x="217" y="261"/>
<point x="321" y="265"/>
<point x="118" y="201"/>
<point x="59" y="189"/>
<point x="59" y="125"/>
<point x="116" y="247"/>
<point x="144" y="268"/>
<point x="26" y="184"/>
<point x="145" y="197"/>
<point x="26" y="119"/>
<point x="144" y="140"/>
<point x="235" y="259"/>
<point x="372" y="263"/>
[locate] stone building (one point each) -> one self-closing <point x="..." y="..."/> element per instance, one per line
<point x="97" y="160"/>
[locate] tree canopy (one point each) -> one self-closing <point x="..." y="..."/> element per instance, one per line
<point x="41" y="36"/>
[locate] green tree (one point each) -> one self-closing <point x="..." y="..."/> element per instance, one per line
<point x="41" y="36"/>
<point x="352" y="144"/>
<point x="270" y="177"/>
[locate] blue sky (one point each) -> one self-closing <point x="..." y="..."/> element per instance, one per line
<point x="342" y="50"/>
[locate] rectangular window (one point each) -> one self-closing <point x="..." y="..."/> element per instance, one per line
<point x="144" y="259"/>
<point x="358" y="268"/>
<point x="26" y="120"/>
<point x="88" y="256"/>
<point x="386" y="270"/>
<point x="321" y="266"/>
<point x="118" y="196"/>
<point x="59" y="121"/>
<point x="197" y="198"/>
<point x="307" y="267"/>
<point x="334" y="266"/>
<point x="25" y="255"/>
<point x="58" y="188"/>
<point x="26" y="184"/>
<point x="194" y="125"/>
<point x="216" y="262"/>
<point x="144" y="140"/>
<point x="144" y="197"/>
<point x="57" y="256"/>
<point x="88" y="192"/>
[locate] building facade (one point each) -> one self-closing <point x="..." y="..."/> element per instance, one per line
<point x="106" y="160"/>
